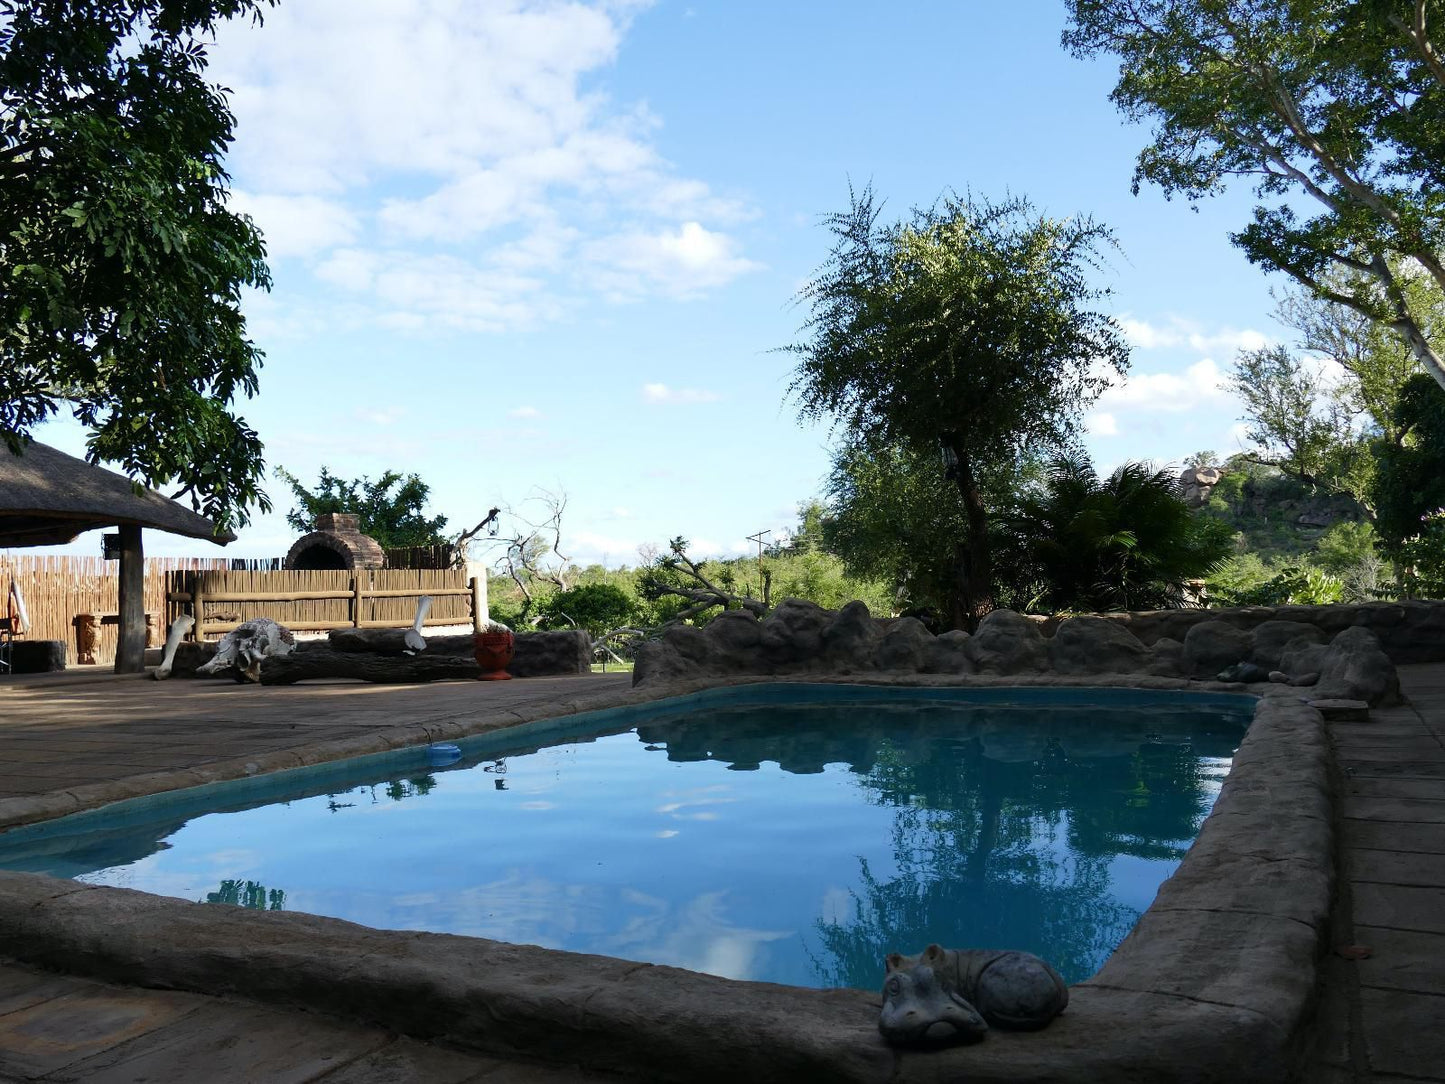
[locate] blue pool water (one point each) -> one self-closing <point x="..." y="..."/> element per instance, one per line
<point x="781" y="833"/>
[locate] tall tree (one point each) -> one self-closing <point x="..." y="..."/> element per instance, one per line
<point x="967" y="327"/>
<point x="1342" y="102"/>
<point x="1410" y="481"/>
<point x="122" y="266"/>
<point x="394" y="519"/>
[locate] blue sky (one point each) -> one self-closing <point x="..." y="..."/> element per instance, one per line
<point x="523" y="246"/>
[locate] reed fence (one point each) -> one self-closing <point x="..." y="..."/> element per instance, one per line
<point x="315" y="600"/>
<point x="57" y="588"/>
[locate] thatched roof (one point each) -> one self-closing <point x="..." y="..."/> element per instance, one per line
<point x="48" y="497"/>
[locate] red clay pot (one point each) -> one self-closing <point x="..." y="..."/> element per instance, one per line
<point x="494" y="651"/>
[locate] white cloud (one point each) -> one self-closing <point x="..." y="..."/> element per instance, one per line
<point x="524" y="412"/>
<point x="379" y="417"/>
<point x="1101" y="424"/>
<point x="661" y="393"/>
<point x="1179" y="332"/>
<point x="682" y="262"/>
<point x="377" y="134"/>
<point x="298" y="225"/>
<point x="1197" y="385"/>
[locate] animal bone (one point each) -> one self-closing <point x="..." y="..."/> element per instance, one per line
<point x="953" y="995"/>
<point x="414" y="640"/>
<point x="179" y="627"/>
<point x="243" y="648"/>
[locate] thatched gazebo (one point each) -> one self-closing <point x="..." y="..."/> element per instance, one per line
<point x="47" y="498"/>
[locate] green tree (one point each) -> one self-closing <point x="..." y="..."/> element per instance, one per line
<point x="122" y="266"/>
<point x="1341" y="102"/>
<point x="969" y="326"/>
<point x="394" y="519"/>
<point x="1286" y="411"/>
<point x="597" y="607"/>
<point x="1126" y="542"/>
<point x="1410" y="480"/>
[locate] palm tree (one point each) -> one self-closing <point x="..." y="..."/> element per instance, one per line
<point x="1127" y="542"/>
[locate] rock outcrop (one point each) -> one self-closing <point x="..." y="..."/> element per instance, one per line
<point x="800" y="637"/>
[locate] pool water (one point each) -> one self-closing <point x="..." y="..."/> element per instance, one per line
<point x="790" y="842"/>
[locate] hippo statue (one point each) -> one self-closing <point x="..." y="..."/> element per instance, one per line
<point x="954" y="995"/>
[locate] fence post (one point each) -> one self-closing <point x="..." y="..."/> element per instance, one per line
<point x="198" y="606"/>
<point x="477" y="606"/>
<point x="356" y="599"/>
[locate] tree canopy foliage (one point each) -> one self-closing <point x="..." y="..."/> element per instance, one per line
<point x="1410" y="481"/>
<point x="968" y="327"/>
<point x="395" y="519"/>
<point x="122" y="267"/>
<point x="1342" y="102"/>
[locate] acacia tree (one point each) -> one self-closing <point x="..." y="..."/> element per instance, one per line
<point x="122" y="266"/>
<point x="1343" y="102"/>
<point x="967" y="327"/>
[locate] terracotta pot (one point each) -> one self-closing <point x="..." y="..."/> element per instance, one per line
<point x="494" y="651"/>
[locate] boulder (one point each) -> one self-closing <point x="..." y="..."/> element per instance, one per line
<point x="1096" y="645"/>
<point x="950" y="653"/>
<point x="734" y="638"/>
<point x="1270" y="638"/>
<point x="1009" y="643"/>
<point x="850" y="640"/>
<point x="1303" y="655"/>
<point x="793" y="633"/>
<point x="1357" y="668"/>
<point x="904" y="646"/>
<point x="1210" y="646"/>
<point x="1167" y="658"/>
<point x="540" y="654"/>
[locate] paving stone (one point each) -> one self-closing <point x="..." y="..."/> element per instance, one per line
<point x="406" y="1061"/>
<point x="1399" y="907"/>
<point x="20" y="987"/>
<point x="231" y="1041"/>
<point x="1392" y="836"/>
<point x="47" y="1037"/>
<point x="1423" y="750"/>
<point x="1374" y="787"/>
<point x="1403" y="1032"/>
<point x="1412" y="810"/>
<point x="1402" y="960"/>
<point x="1397" y="868"/>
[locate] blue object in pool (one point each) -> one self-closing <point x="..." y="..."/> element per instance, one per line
<point x="439" y="756"/>
<point x="787" y="833"/>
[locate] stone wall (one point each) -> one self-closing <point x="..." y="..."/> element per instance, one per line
<point x="800" y="637"/>
<point x="1412" y="631"/>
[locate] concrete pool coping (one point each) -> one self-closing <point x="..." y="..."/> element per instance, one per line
<point x="1213" y="983"/>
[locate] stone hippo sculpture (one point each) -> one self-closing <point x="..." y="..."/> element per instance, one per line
<point x="954" y="995"/>
<point x="246" y="645"/>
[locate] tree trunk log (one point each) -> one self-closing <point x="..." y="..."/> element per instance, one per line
<point x="130" y="648"/>
<point x="538" y="654"/>
<point x="322" y="662"/>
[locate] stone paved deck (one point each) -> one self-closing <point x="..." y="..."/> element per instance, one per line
<point x="1382" y="1018"/>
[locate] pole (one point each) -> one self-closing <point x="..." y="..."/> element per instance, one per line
<point x="130" y="645"/>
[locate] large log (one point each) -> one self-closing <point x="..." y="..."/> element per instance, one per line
<point x="318" y="661"/>
<point x="538" y="654"/>
<point x="373" y="641"/>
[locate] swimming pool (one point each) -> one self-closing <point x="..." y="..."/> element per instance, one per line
<point x="756" y="832"/>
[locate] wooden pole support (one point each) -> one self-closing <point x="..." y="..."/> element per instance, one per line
<point x="479" y="605"/>
<point x="198" y="606"/>
<point x="356" y="599"/>
<point x="130" y="647"/>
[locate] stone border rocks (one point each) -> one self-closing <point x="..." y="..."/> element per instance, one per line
<point x="1213" y="984"/>
<point x="801" y="637"/>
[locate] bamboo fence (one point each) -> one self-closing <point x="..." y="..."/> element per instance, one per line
<point x="314" y="600"/>
<point x="56" y="588"/>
